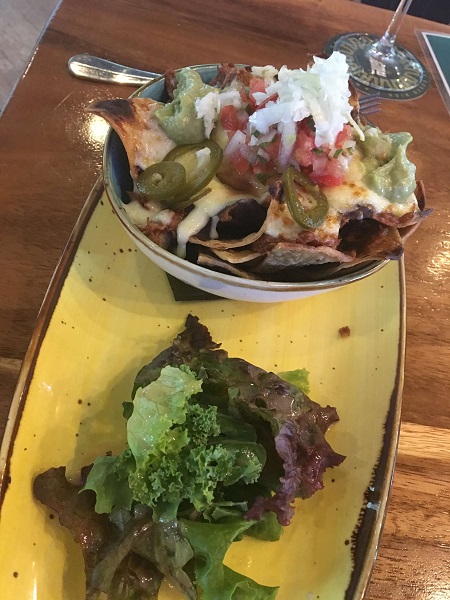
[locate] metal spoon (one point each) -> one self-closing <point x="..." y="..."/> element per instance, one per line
<point x="91" y="67"/>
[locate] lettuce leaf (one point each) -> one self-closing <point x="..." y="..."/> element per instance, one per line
<point x="288" y="423"/>
<point x="267" y="529"/>
<point x="108" y="478"/>
<point x="298" y="377"/>
<point x="217" y="447"/>
<point x="122" y="578"/>
<point x="135" y="579"/>
<point x="178" y="451"/>
<point x="168" y="549"/>
<point x="210" y="543"/>
<point x="157" y="407"/>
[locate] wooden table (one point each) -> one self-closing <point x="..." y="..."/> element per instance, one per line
<point x="48" y="164"/>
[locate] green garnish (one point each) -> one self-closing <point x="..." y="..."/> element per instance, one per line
<point x="162" y="181"/>
<point x="306" y="203"/>
<point x="198" y="172"/>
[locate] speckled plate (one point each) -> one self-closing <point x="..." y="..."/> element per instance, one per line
<point x="107" y="312"/>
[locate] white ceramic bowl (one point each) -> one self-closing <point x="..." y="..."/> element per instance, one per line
<point x="118" y="182"/>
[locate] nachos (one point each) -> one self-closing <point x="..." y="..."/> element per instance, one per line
<point x="267" y="173"/>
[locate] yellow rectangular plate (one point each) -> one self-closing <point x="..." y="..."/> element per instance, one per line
<point x="108" y="311"/>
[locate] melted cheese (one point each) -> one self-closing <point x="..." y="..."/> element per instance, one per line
<point x="282" y="225"/>
<point x="209" y="206"/>
<point x="342" y="199"/>
<point x="353" y="193"/>
<point x="138" y="214"/>
<point x="153" y="144"/>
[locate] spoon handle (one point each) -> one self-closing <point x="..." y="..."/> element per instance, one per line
<point x="99" y="69"/>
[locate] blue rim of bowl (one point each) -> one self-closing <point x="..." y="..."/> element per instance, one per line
<point x="255" y="284"/>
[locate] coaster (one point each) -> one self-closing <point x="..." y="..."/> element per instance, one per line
<point x="354" y="45"/>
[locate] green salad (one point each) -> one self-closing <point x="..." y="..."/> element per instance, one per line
<point x="217" y="448"/>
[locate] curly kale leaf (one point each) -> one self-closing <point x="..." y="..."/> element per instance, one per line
<point x="177" y="451"/>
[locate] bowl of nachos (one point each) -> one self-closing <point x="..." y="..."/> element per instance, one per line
<point x="257" y="183"/>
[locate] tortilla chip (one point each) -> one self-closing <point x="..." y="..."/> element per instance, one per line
<point x="288" y="255"/>
<point x="354" y="100"/>
<point x="370" y="239"/>
<point x="134" y="121"/>
<point x="386" y="244"/>
<point x="238" y="256"/>
<point x="211" y="262"/>
<point x="236" y="220"/>
<point x="170" y="82"/>
<point x="281" y="226"/>
<point x="420" y="195"/>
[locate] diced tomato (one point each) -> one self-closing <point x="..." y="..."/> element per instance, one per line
<point x="329" y="180"/>
<point x="344" y="135"/>
<point x="256" y="85"/>
<point x="307" y="125"/>
<point x="303" y="150"/>
<point x="273" y="149"/>
<point x="327" y="171"/>
<point x="239" y="162"/>
<point x="243" y="92"/>
<point x="229" y="118"/>
<point x="263" y="170"/>
<point x="242" y="117"/>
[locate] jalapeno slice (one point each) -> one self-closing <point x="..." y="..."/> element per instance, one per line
<point x="199" y="171"/>
<point x="162" y="181"/>
<point x="307" y="204"/>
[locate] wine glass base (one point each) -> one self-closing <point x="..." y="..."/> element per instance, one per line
<point x="402" y="76"/>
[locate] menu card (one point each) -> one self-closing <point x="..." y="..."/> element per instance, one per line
<point x="436" y="47"/>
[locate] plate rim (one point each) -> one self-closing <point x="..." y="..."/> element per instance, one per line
<point x="377" y="501"/>
<point x="40" y="327"/>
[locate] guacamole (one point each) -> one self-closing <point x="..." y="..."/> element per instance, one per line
<point x="388" y="172"/>
<point x="179" y="118"/>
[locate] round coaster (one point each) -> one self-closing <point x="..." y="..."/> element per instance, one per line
<point x="354" y="45"/>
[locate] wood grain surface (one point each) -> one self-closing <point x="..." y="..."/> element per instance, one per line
<point x="50" y="158"/>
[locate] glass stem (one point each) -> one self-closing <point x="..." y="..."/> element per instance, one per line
<point x="389" y="36"/>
